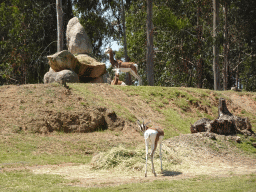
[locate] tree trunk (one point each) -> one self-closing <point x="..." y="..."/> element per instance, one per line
<point x="128" y="75"/>
<point x="59" y="25"/>
<point x="216" y="45"/>
<point x="150" y="51"/>
<point x="199" y="36"/>
<point x="237" y="71"/>
<point x="225" y="70"/>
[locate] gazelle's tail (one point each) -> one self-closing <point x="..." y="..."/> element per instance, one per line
<point x="136" y="67"/>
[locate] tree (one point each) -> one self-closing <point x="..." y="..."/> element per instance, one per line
<point x="225" y="48"/>
<point x="216" y="45"/>
<point x="199" y="37"/>
<point x="28" y="34"/>
<point x="128" y="75"/>
<point x="150" y="50"/>
<point x="104" y="16"/>
<point x="60" y="40"/>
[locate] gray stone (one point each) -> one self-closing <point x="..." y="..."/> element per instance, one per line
<point x="68" y="76"/>
<point x="50" y="76"/>
<point x="78" y="41"/>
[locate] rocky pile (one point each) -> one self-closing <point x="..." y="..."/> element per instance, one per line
<point x="75" y="64"/>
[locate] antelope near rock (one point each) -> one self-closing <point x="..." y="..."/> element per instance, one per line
<point x="126" y="67"/>
<point x="116" y="81"/>
<point x="154" y="136"/>
<point x="119" y="63"/>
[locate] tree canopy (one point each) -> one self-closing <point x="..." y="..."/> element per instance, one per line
<point x="182" y="30"/>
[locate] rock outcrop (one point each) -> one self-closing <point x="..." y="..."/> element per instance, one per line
<point x="89" y="66"/>
<point x="75" y="64"/>
<point x="78" y="41"/>
<point x="81" y="64"/>
<point x="62" y="60"/>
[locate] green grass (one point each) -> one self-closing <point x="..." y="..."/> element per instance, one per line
<point x="31" y="149"/>
<point x="202" y="183"/>
<point x="175" y="121"/>
<point x="246" y="144"/>
<point x="27" y="181"/>
<point x="159" y="98"/>
<point x="174" y="103"/>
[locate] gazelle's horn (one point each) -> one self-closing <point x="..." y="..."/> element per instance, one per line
<point x="148" y="123"/>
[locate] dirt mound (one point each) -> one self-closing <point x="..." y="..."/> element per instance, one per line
<point x="52" y="107"/>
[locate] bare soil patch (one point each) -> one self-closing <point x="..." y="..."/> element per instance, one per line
<point x="46" y="108"/>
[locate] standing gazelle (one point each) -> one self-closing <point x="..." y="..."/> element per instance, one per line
<point x="152" y="135"/>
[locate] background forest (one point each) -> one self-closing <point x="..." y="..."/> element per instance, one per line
<point x="182" y="31"/>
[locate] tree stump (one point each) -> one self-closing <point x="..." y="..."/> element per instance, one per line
<point x="225" y="124"/>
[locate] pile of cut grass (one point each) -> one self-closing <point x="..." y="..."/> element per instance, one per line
<point x="120" y="158"/>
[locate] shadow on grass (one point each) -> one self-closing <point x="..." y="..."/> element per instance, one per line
<point x="171" y="173"/>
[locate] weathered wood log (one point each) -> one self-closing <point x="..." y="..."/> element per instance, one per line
<point x="223" y="110"/>
<point x="225" y="124"/>
<point x="199" y="126"/>
<point x="222" y="127"/>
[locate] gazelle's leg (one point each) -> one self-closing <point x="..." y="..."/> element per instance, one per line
<point x="160" y="153"/>
<point x="152" y="156"/>
<point x="146" y="142"/>
<point x="153" y="168"/>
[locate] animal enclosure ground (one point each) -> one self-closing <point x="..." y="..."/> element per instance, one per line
<point x="27" y="143"/>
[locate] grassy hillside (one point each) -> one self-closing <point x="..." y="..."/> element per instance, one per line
<point x="173" y="108"/>
<point x="36" y="137"/>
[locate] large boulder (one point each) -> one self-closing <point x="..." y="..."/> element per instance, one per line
<point x="78" y="41"/>
<point x="68" y="76"/>
<point x="89" y="67"/>
<point x="62" y="60"/>
<point x="82" y="64"/>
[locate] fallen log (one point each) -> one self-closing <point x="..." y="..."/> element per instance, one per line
<point x="225" y="124"/>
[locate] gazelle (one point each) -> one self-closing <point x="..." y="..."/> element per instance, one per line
<point x="116" y="81"/>
<point x="126" y="67"/>
<point x="154" y="136"/>
<point x="119" y="63"/>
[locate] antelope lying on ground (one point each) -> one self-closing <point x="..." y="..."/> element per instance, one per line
<point x="116" y="81"/>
